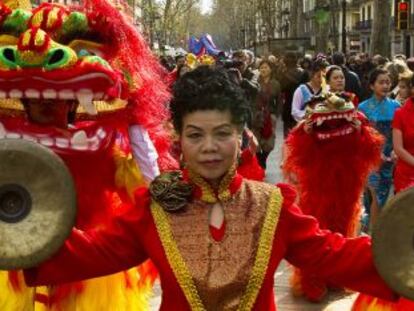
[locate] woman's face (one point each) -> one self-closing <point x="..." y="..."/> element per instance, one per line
<point x="210" y="143"/>
<point x="317" y="77"/>
<point x="381" y="86"/>
<point x="265" y="70"/>
<point x="337" y="81"/>
<point x="404" y="90"/>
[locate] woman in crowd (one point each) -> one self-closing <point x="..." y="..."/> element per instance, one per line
<point x="265" y="111"/>
<point x="404" y="86"/>
<point x="395" y="69"/>
<point x="216" y="238"/>
<point x="380" y="109"/>
<point x="335" y="79"/>
<point x="403" y="139"/>
<point x="305" y="91"/>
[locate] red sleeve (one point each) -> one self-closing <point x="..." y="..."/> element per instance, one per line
<point x="397" y="121"/>
<point x="97" y="252"/>
<point x="344" y="262"/>
<point x="355" y="101"/>
<point x="249" y="167"/>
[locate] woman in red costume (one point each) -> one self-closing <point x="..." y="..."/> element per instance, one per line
<point x="403" y="139"/>
<point x="215" y="238"/>
<point x="403" y="134"/>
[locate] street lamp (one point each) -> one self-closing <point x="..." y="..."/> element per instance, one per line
<point x="344" y="26"/>
<point x="243" y="37"/>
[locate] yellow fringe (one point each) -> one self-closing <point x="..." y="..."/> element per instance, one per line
<point x="128" y="175"/>
<point x="12" y="300"/>
<point x="109" y="293"/>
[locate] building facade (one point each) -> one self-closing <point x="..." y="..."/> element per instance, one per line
<point x="358" y="16"/>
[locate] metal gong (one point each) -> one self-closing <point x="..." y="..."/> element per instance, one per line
<point x="393" y="243"/>
<point x="37" y="203"/>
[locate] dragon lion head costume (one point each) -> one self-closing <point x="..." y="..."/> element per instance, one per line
<point x="330" y="155"/>
<point x="74" y="79"/>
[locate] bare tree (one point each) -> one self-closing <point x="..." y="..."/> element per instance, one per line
<point x="295" y="10"/>
<point x="267" y="11"/>
<point x="173" y="11"/>
<point x="380" y="40"/>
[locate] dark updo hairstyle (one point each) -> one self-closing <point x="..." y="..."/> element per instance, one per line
<point x="330" y="71"/>
<point x="318" y="65"/>
<point x="207" y="88"/>
<point x="373" y="76"/>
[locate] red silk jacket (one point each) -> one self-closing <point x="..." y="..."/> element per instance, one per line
<point x="136" y="236"/>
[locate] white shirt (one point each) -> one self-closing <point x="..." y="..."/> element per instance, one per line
<point x="144" y="152"/>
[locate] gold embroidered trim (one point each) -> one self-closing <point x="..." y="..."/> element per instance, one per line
<point x="105" y="106"/>
<point x="264" y="251"/>
<point x="175" y="259"/>
<point x="208" y="194"/>
<point x="263" y="254"/>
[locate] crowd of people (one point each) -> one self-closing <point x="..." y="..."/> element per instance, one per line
<point x="279" y="87"/>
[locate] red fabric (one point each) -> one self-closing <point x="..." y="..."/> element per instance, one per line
<point x="355" y="101"/>
<point x="405" y="305"/>
<point x="32" y="46"/>
<point x="234" y="185"/>
<point x="403" y="120"/>
<point x="267" y="130"/>
<point x="46" y="9"/>
<point x="14" y="280"/>
<point x="4" y="13"/>
<point x="218" y="234"/>
<point x="133" y="238"/>
<point x="331" y="176"/>
<point x="249" y="167"/>
<point x="127" y="50"/>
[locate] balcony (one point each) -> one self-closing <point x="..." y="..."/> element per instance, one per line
<point x="364" y="25"/>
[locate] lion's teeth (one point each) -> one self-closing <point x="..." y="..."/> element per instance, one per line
<point x="66" y="94"/>
<point x="15" y="93"/>
<point x="319" y="121"/>
<point x="49" y="94"/>
<point x="32" y="93"/>
<point x="85" y="98"/>
<point x="79" y="140"/>
<point x="2" y="131"/>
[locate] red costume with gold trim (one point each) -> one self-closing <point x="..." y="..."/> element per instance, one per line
<point x="197" y="272"/>
<point x="75" y="79"/>
<point x="330" y="162"/>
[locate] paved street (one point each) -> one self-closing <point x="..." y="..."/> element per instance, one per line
<point x="285" y="300"/>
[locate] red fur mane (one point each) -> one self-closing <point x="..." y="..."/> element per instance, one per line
<point x="128" y="51"/>
<point x="332" y="174"/>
